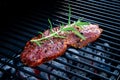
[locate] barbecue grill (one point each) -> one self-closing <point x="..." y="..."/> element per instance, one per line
<point x="97" y="61"/>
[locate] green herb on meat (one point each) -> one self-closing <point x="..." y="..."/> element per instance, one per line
<point x="67" y="28"/>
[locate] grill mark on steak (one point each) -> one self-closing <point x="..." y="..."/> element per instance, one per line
<point x="34" y="55"/>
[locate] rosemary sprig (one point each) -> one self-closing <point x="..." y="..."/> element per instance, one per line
<point x="69" y="15"/>
<point x="37" y="43"/>
<point x="79" y="35"/>
<point x="54" y="34"/>
<point x="64" y="29"/>
<point x="41" y="33"/>
<point x="81" y="24"/>
<point x="67" y="28"/>
<point x="50" y="25"/>
<point x="46" y="37"/>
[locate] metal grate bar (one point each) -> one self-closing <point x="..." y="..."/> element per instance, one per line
<point x="110" y="43"/>
<point x="15" y="77"/>
<point x="47" y="71"/>
<point x="116" y="1"/>
<point x="11" y="58"/>
<point x="12" y="41"/>
<point x="109" y="4"/>
<point x="15" y="36"/>
<point x="7" y="56"/>
<point x="9" y="46"/>
<point x="74" y="74"/>
<point x="110" y="59"/>
<point x="108" y="36"/>
<point x="111" y="33"/>
<point x="103" y="51"/>
<point x="110" y="47"/>
<point x="25" y="71"/>
<point x="104" y="6"/>
<point x="80" y="69"/>
<point x="101" y="57"/>
<point x="109" y="27"/>
<point x="95" y="7"/>
<point x="30" y="24"/>
<point x="98" y="16"/>
<point x="90" y="16"/>
<point x="27" y="34"/>
<point x="92" y="66"/>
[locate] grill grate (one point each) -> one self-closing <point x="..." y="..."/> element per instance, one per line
<point x="99" y="60"/>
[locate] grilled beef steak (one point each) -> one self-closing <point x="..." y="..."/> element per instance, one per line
<point x="34" y="55"/>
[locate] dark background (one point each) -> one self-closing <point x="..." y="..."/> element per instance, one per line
<point x="13" y="9"/>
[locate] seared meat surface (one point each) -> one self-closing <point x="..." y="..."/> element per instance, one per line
<point x="34" y="55"/>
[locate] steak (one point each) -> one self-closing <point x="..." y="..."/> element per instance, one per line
<point x="34" y="55"/>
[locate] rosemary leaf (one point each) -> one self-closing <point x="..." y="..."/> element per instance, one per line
<point x="50" y="26"/>
<point x="41" y="33"/>
<point x="68" y="29"/>
<point x="80" y="23"/>
<point x="58" y="36"/>
<point x="61" y="26"/>
<point x="37" y="43"/>
<point x="79" y="34"/>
